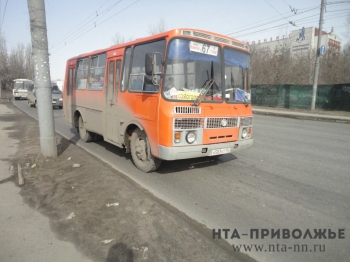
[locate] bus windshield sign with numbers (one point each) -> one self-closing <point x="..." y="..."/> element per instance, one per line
<point x="203" y="48"/>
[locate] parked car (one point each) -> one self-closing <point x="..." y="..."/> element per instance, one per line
<point x="57" y="97"/>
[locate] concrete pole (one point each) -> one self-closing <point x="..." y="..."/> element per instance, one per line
<point x="317" y="62"/>
<point x="42" y="77"/>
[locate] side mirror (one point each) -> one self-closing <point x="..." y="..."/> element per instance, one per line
<point x="151" y="66"/>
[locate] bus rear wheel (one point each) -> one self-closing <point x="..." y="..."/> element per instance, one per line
<point x="84" y="134"/>
<point x="141" y="152"/>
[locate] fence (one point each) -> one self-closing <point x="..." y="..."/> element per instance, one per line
<point x="329" y="97"/>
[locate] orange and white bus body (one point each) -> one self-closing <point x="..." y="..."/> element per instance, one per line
<point x="120" y="93"/>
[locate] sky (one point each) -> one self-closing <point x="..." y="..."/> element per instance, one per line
<point x="75" y="27"/>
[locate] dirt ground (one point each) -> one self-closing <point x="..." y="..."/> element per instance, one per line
<point x="106" y="215"/>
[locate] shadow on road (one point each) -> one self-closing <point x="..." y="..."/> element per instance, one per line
<point x="194" y="163"/>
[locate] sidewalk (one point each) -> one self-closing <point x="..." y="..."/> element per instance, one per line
<point x="325" y="116"/>
<point x="25" y="233"/>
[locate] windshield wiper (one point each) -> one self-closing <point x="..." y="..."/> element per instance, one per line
<point x="205" y="88"/>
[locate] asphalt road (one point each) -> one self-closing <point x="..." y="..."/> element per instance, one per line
<point x="296" y="176"/>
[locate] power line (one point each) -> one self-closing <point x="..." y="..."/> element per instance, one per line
<point x="88" y="30"/>
<point x="3" y="16"/>
<point x="271" y="22"/>
<point x="85" y="23"/>
<point x="333" y="16"/>
<point x="291" y="22"/>
<point x="339" y="2"/>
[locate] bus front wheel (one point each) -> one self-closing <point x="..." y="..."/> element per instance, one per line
<point x="141" y="152"/>
<point x="84" y="134"/>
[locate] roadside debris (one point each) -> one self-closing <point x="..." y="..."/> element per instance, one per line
<point x="113" y="205"/>
<point x="71" y="215"/>
<point x="144" y="212"/>
<point x="69" y="158"/>
<point x="107" y="241"/>
<point x="76" y="165"/>
<point x="20" y="176"/>
<point x="34" y="165"/>
<point x="11" y="168"/>
<point x="144" y="249"/>
<point x="144" y="255"/>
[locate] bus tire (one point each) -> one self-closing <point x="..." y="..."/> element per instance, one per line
<point x="84" y="134"/>
<point x="141" y="152"/>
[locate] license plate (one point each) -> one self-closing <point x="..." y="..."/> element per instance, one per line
<point x="53" y="102"/>
<point x="220" y="151"/>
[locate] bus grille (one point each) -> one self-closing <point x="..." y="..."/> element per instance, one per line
<point x="187" y="110"/>
<point x="188" y="123"/>
<point x="221" y="122"/>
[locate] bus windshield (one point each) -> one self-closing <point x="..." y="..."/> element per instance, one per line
<point x="23" y="84"/>
<point x="190" y="64"/>
<point x="18" y="85"/>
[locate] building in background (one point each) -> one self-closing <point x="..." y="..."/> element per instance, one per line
<point x="300" y="42"/>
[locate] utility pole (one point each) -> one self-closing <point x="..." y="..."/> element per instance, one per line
<point x="317" y="62"/>
<point x="42" y="77"/>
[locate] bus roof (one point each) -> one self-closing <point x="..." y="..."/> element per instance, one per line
<point x="184" y="32"/>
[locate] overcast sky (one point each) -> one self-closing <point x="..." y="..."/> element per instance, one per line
<point x="80" y="26"/>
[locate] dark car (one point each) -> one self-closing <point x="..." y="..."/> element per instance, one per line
<point x="57" y="96"/>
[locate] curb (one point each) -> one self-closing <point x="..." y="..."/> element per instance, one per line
<point x="305" y="116"/>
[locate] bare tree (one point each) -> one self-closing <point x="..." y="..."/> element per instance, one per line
<point x="118" y="39"/>
<point x="3" y="61"/>
<point x="154" y="29"/>
<point x="347" y="24"/>
<point x="28" y="62"/>
<point x="279" y="67"/>
<point x="17" y="64"/>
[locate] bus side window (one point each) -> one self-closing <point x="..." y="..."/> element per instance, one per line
<point x="82" y="73"/>
<point x="138" y="65"/>
<point x="117" y="79"/>
<point x="70" y="79"/>
<point x="97" y="72"/>
<point x="125" y="79"/>
<point x="110" y="81"/>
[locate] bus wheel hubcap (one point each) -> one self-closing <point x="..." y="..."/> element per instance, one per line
<point x="81" y="128"/>
<point x="141" y="149"/>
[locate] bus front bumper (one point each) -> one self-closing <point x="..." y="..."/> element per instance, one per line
<point x="185" y="152"/>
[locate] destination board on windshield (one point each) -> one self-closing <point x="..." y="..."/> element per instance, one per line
<point x="203" y="48"/>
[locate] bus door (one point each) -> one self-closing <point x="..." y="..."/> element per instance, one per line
<point x="114" y="68"/>
<point x="68" y="110"/>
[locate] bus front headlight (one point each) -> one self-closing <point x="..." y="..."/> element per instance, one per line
<point x="244" y="133"/>
<point x="190" y="137"/>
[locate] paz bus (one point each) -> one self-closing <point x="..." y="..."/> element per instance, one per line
<point x="175" y="95"/>
<point x="21" y="87"/>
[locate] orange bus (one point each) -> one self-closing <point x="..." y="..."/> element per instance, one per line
<point x="175" y="95"/>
